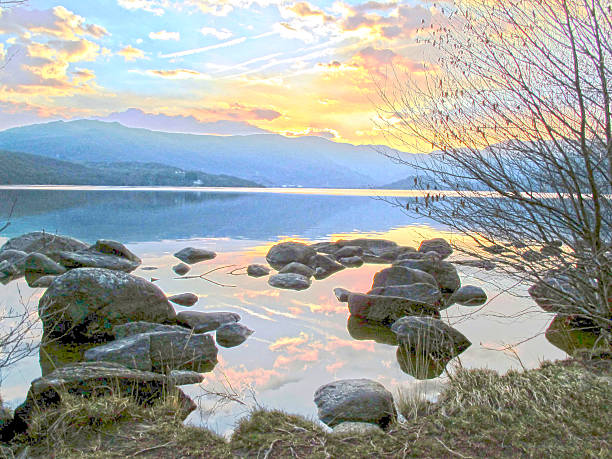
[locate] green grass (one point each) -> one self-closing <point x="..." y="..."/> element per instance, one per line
<point x="559" y="410"/>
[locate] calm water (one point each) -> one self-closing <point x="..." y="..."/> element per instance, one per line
<point x="301" y="339"/>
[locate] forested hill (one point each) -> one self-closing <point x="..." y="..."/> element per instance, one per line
<point x="28" y="169"/>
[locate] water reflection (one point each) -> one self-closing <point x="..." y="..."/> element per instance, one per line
<point x="571" y="337"/>
<point x="363" y="329"/>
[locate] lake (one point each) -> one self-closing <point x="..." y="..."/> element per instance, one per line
<point x="302" y="339"/>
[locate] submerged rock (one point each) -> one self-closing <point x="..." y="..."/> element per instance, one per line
<point x="93" y="259"/>
<point x="202" y="322"/>
<point x="44" y="243"/>
<point x="257" y="270"/>
<point x="438" y="245"/>
<point x="184" y="299"/>
<point x="363" y="329"/>
<point x="181" y="269"/>
<point x="192" y="255"/>
<point x="469" y="295"/>
<point x="233" y="334"/>
<point x="387" y="309"/>
<point x="429" y="337"/>
<point x="297" y="268"/>
<point x="85" y="304"/>
<point x="355" y="400"/>
<point x="289" y="281"/>
<point x="325" y="266"/>
<point x="284" y="253"/>
<point x="419" y="365"/>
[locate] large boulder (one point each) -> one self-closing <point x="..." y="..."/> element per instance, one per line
<point x="131" y="352"/>
<point x="419" y="292"/>
<point x="469" y="295"/>
<point x="202" y="322"/>
<point x="387" y="309"/>
<point x="325" y="266"/>
<point x="15" y="257"/>
<point x="290" y="281"/>
<point x="400" y="275"/>
<point x="192" y="255"/>
<point x="429" y="337"/>
<point x="84" y="304"/>
<point x="182" y="351"/>
<point x="44" y="243"/>
<point x="134" y="328"/>
<point x="297" y="268"/>
<point x="355" y="400"/>
<point x="438" y="245"/>
<point x="443" y="272"/>
<point x="37" y="265"/>
<point x="284" y="253"/>
<point x="231" y="335"/>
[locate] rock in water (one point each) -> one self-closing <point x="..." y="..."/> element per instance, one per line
<point x="116" y="249"/>
<point x="325" y="266"/>
<point x="297" y="268"/>
<point x="92" y="259"/>
<point x="444" y="273"/>
<point x="37" y="265"/>
<point x="184" y="299"/>
<point x="231" y="335"/>
<point x="419" y="293"/>
<point x="342" y="294"/>
<point x="284" y="253"/>
<point x="135" y="328"/>
<point x="349" y="251"/>
<point x="44" y="243"/>
<point x="84" y="304"/>
<point x="387" y="309"/>
<point x="351" y="262"/>
<point x="400" y="275"/>
<point x="182" y="351"/>
<point x="258" y="270"/>
<point x="438" y="245"/>
<point x="131" y="352"/>
<point x="430" y="337"/>
<point x="181" y="269"/>
<point x="202" y="322"/>
<point x="469" y="295"/>
<point x="43" y="282"/>
<point x="193" y="255"/>
<point x="184" y="377"/>
<point x="289" y="281"/>
<point x="355" y="400"/>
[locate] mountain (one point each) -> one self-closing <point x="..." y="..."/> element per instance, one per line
<point x="27" y="169"/>
<point x="136" y="118"/>
<point x="269" y="159"/>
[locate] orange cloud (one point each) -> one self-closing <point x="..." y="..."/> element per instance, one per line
<point x="178" y="74"/>
<point x="290" y="343"/>
<point x="305" y="9"/>
<point x="129" y="53"/>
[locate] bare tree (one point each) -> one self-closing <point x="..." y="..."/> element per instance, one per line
<point x="516" y="107"/>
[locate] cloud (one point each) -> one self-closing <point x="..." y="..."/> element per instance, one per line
<point x="129" y="53"/>
<point x="165" y="35"/>
<point x="152" y="6"/>
<point x="289" y="342"/>
<point x="402" y="22"/>
<point x="305" y="9"/>
<point x="177" y="74"/>
<point x="326" y="133"/>
<point x="219" y="34"/>
<point x="190" y="52"/>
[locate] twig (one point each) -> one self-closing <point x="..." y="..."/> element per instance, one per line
<point x="202" y="276"/>
<point x="270" y="448"/>
<point x="150" y="449"/>
<point x="451" y="451"/>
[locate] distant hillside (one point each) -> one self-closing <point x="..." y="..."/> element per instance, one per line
<point x="27" y="169"/>
<point x="412" y="183"/>
<point x="269" y="159"/>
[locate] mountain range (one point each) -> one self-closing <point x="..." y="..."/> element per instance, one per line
<point x="268" y="159"/>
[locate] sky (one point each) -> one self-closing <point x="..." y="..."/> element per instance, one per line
<point x="290" y="67"/>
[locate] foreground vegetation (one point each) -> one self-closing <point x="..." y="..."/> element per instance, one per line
<point x="558" y="410"/>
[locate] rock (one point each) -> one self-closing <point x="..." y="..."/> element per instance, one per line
<point x="444" y="273"/>
<point x="84" y="304"/>
<point x="6" y="417"/>
<point x="418" y="256"/>
<point x="351" y="262"/>
<point x="43" y="282"/>
<point x="419" y="293"/>
<point x="184" y="299"/>
<point x="401" y="275"/>
<point x="37" y="265"/>
<point x="356" y="428"/>
<point x="349" y="251"/>
<point x="469" y="295"/>
<point x="290" y="281"/>
<point x="555" y="294"/>
<point x="184" y="377"/>
<point x="483" y="264"/>
<point x="135" y="328"/>
<point x="342" y="294"/>
<point x="193" y="255"/>
<point x="231" y="335"/>
<point x="418" y="365"/>
<point x="181" y="269"/>
<point x="257" y="270"/>
<point x="182" y="351"/>
<point x="372" y="246"/>
<point x="551" y="251"/>
<point x="325" y="266"/>
<point x="8" y="270"/>
<point x="430" y="337"/>
<point x="386" y="309"/>
<point x="131" y="352"/>
<point x="149" y="268"/>
<point x="116" y="249"/>
<point x="15" y="257"/>
<point x="355" y="400"/>
<point x="363" y="329"/>
<point x="92" y="259"/>
<point x="202" y="322"/>
<point x="44" y="243"/>
<point x="297" y="268"/>
<point x="495" y="249"/>
<point x="532" y="255"/>
<point x="324" y="247"/>
<point x="284" y="253"/>
<point x="92" y="379"/>
<point x="438" y="245"/>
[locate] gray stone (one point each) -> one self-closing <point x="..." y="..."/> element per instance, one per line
<point x="131" y="352"/>
<point x="495" y="249"/>
<point x="257" y="270"/>
<point x="182" y="351"/>
<point x="43" y="282"/>
<point x="349" y="251"/>
<point x="202" y="322"/>
<point x="184" y="377"/>
<point x="469" y="295"/>
<point x="86" y="303"/>
<point x="355" y="400"/>
<point x="284" y="253"/>
<point x="351" y="262"/>
<point x="555" y="294"/>
<point x="231" y="335"/>
<point x="325" y="266"/>
<point x="116" y="249"/>
<point x="8" y="270"/>
<point x="289" y="281"/>
<point x="41" y="265"/>
<point x="184" y="299"/>
<point x="401" y="275"/>
<point x="386" y="309"/>
<point x="438" y="245"/>
<point x="193" y="255"/>
<point x="358" y="429"/>
<point x="297" y="268"/>
<point x="483" y="264"/>
<point x="342" y="294"/>
<point x="419" y="292"/>
<point x="181" y="269"/>
<point x="324" y="247"/>
<point x="418" y="256"/>
<point x="429" y="336"/>
<point x="135" y="328"/>
<point x="44" y="243"/>
<point x="16" y="257"/>
<point x="92" y="259"/>
<point x="372" y="246"/>
<point x="444" y="273"/>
